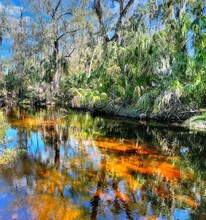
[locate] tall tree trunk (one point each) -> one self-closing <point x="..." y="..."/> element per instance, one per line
<point x="1" y="39"/>
<point x="56" y="68"/>
<point x="91" y="62"/>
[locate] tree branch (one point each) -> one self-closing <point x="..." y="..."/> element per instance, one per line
<point x="63" y="14"/>
<point x="98" y="9"/>
<point x="69" y="55"/>
<point x="67" y="32"/>
<point x="54" y="11"/>
<point x="123" y="12"/>
<point x="57" y="6"/>
<point x="126" y="8"/>
<point x="1" y="39"/>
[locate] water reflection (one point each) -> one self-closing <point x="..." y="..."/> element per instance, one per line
<point x="80" y="167"/>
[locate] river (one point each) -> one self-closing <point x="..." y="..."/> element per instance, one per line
<point x="81" y="167"/>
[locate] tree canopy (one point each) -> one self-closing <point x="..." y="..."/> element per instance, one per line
<point x="144" y="55"/>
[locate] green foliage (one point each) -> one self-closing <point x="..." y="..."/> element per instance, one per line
<point x="148" y="66"/>
<point x="9" y="156"/>
<point x="3" y="126"/>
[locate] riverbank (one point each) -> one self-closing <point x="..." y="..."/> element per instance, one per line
<point x="106" y="108"/>
<point x="188" y="119"/>
<point x="191" y="120"/>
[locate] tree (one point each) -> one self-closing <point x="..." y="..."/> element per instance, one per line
<point x="57" y="19"/>
<point x="100" y="7"/>
<point x="20" y="32"/>
<point x="2" y="29"/>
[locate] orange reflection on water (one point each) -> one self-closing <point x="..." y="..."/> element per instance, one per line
<point x="187" y="200"/>
<point x="46" y="206"/>
<point x="30" y="122"/>
<point x="138" y="158"/>
<point x="104" y="172"/>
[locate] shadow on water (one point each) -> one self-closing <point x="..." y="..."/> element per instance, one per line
<point x="83" y="167"/>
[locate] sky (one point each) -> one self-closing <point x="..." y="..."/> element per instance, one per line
<point x="5" y="51"/>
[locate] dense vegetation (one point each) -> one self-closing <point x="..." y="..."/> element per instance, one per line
<point x="3" y="127"/>
<point x="123" y="57"/>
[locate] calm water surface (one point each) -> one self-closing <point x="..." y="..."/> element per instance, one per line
<point x="83" y="167"/>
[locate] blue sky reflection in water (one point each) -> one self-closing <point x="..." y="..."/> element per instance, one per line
<point x="77" y="166"/>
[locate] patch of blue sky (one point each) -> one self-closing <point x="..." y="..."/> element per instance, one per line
<point x="7" y="200"/>
<point x="36" y="147"/>
<point x="11" y="138"/>
<point x="181" y="214"/>
<point x="189" y="45"/>
<point x="5" y="49"/>
<point x="16" y="2"/>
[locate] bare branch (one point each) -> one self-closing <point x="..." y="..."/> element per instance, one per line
<point x="126" y="9"/>
<point x="54" y="11"/>
<point x="1" y="39"/>
<point x="57" y="6"/>
<point x="69" y="55"/>
<point x="63" y="14"/>
<point x="123" y="12"/>
<point x="98" y="9"/>
<point x="67" y="32"/>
